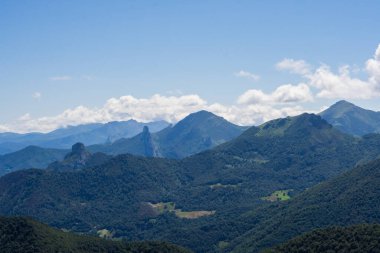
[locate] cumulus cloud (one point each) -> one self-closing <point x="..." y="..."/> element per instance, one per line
<point x="373" y="68"/>
<point x="251" y="108"/>
<point x="283" y="94"/>
<point x="157" y="107"/>
<point x="254" y="114"/>
<point x="25" y="117"/>
<point x="340" y="84"/>
<point x="60" y="78"/>
<point x="4" y="129"/>
<point x="247" y="75"/>
<point x="294" y="66"/>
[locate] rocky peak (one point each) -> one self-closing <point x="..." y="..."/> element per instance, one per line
<point x="78" y="148"/>
<point x="78" y="152"/>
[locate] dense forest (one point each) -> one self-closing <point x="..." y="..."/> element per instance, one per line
<point x="355" y="239"/>
<point x="208" y="202"/>
<point x="24" y="235"/>
<point x="351" y="198"/>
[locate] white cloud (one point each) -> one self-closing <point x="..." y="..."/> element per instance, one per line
<point x="37" y="95"/>
<point x="373" y="68"/>
<point x="340" y="84"/>
<point x="4" y="129"/>
<point x="283" y="94"/>
<point x="60" y="78"/>
<point x="252" y="107"/>
<point x="25" y="117"/>
<point x="254" y="114"/>
<point x="157" y="107"/>
<point x="247" y="75"/>
<point x="294" y="66"/>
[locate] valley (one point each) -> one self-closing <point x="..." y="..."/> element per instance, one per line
<point x="213" y="201"/>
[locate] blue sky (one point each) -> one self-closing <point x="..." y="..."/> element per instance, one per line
<point x="71" y="62"/>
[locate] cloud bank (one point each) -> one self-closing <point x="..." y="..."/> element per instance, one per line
<point x="253" y="107"/>
<point x="157" y="107"/>
<point x="341" y="84"/>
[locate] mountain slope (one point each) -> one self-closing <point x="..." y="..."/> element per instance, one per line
<point x="88" y="134"/>
<point x="23" y="235"/>
<point x="195" y="133"/>
<point x="29" y="157"/>
<point x="360" y="238"/>
<point x="304" y="150"/>
<point x="82" y="200"/>
<point x="351" y="198"/>
<point x="147" y="198"/>
<point x="141" y="144"/>
<point x="288" y="155"/>
<point x="352" y="119"/>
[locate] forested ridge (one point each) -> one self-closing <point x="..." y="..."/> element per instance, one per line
<point x="24" y="235"/>
<point x="141" y="198"/>
<point x="363" y="238"/>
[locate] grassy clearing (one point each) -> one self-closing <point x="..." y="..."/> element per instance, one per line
<point x="105" y="233"/>
<point x="281" y="195"/>
<point x="163" y="207"/>
<point x="223" y="244"/>
<point x="219" y="185"/>
<point x="193" y="214"/>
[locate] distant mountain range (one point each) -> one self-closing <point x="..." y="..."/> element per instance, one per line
<point x="352" y="119"/>
<point x="24" y="235"/>
<point x="195" y="133"/>
<point x="154" y="198"/>
<point x="30" y="157"/>
<point x="88" y="134"/>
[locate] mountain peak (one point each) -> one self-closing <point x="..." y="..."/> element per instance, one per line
<point x="343" y="104"/>
<point x="352" y="119"/>
<point x="202" y="119"/>
<point x="76" y="159"/>
<point x="145" y="130"/>
<point x="78" y="148"/>
<point x="78" y="152"/>
<point x="201" y="115"/>
<point x="303" y="122"/>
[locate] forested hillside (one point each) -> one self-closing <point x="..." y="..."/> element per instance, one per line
<point x="198" y="201"/>
<point x="352" y="198"/>
<point x="360" y="238"/>
<point x="24" y="235"/>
